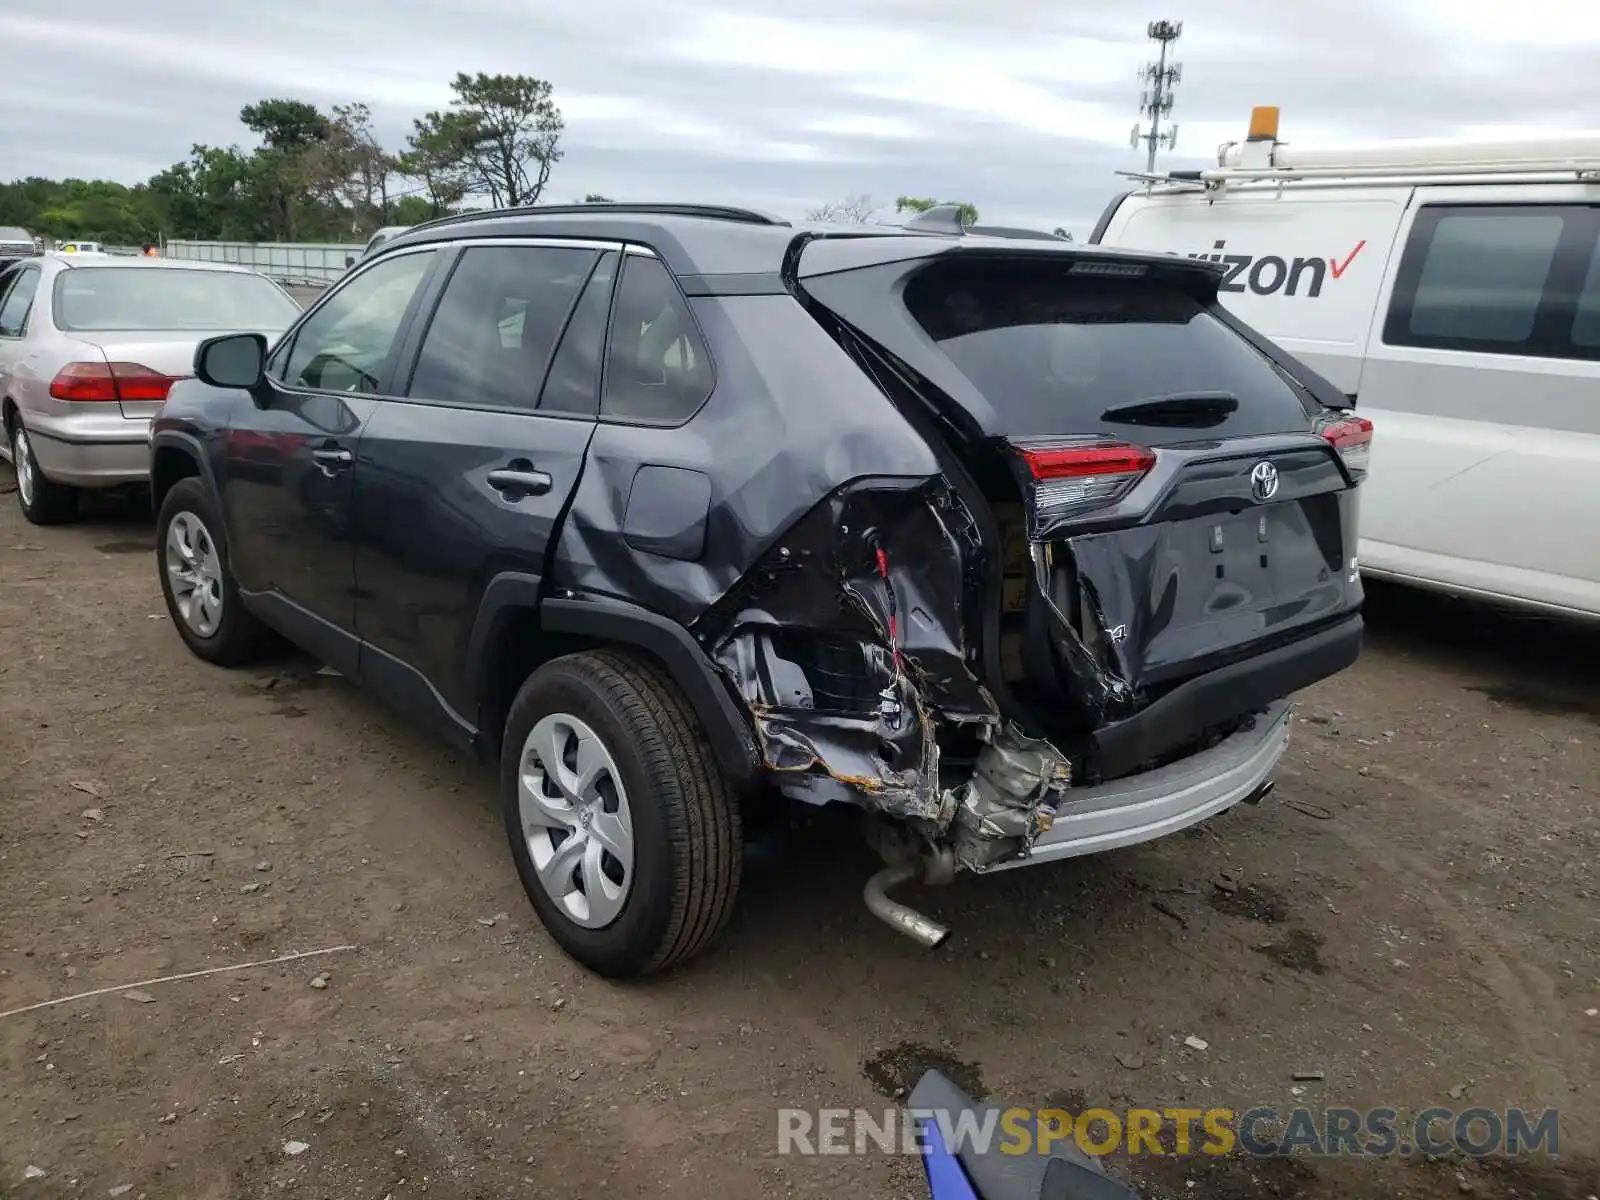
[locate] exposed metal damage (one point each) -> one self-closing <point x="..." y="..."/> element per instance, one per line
<point x="852" y="645"/>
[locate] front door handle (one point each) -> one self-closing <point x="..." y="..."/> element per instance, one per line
<point x="333" y="457"/>
<point x="515" y="483"/>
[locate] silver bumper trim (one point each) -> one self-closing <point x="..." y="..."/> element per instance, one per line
<point x="1144" y="807"/>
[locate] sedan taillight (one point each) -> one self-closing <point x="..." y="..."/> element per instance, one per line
<point x="107" y="383"/>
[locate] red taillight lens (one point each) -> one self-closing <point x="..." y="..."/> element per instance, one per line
<point x="107" y="383"/>
<point x="1351" y="436"/>
<point x="1065" y="480"/>
<point x="1075" y="462"/>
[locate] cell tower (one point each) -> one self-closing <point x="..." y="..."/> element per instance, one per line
<point x="1160" y="79"/>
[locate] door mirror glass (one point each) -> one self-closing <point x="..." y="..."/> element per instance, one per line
<point x="232" y="361"/>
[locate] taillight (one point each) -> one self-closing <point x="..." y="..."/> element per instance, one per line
<point x="1351" y="436"/>
<point x="107" y="383"/>
<point x="1066" y="479"/>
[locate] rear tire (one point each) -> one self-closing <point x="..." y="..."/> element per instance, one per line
<point x="607" y="711"/>
<point x="202" y="598"/>
<point x="43" y="501"/>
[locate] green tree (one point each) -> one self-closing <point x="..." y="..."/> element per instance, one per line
<point x="287" y="125"/>
<point x="1062" y="233"/>
<point x="597" y="198"/>
<point x="921" y="204"/>
<point x="502" y="133"/>
<point x="350" y="170"/>
<point x="316" y="174"/>
<point x="284" y="172"/>
<point x="435" y="157"/>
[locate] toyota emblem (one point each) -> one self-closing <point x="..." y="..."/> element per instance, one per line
<point x="1263" y="481"/>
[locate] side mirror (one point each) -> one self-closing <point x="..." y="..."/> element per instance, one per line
<point x="349" y="260"/>
<point x="234" y="360"/>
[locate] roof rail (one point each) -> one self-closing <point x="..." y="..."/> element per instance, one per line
<point x="714" y="212"/>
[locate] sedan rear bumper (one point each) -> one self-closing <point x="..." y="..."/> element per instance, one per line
<point x="1141" y="808"/>
<point x="93" y="462"/>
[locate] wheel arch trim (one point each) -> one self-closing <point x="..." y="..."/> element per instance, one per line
<point x="617" y="623"/>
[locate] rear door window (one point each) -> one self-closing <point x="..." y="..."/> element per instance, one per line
<point x="1053" y="353"/>
<point x="491" y="338"/>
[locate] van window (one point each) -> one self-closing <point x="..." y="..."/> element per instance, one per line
<point x="1483" y="277"/>
<point x="1500" y="280"/>
<point x="1053" y="354"/>
<point x="1586" y="320"/>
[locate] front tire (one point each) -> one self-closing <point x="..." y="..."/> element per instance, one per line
<point x="43" y="501"/>
<point x="201" y="595"/>
<point x="624" y="830"/>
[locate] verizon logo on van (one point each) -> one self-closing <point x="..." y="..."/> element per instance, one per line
<point x="1270" y="275"/>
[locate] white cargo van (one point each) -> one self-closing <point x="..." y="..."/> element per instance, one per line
<point x="1452" y="291"/>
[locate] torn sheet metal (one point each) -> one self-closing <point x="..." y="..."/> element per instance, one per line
<point x="1011" y="799"/>
<point x="849" y="642"/>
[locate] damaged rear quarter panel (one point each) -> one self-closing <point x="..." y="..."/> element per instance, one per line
<point x="789" y="419"/>
<point x="799" y="470"/>
<point x="848" y="643"/>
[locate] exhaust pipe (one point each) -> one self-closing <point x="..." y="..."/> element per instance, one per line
<point x="923" y="930"/>
<point x="1261" y="793"/>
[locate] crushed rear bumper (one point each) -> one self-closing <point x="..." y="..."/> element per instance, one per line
<point x="1141" y="808"/>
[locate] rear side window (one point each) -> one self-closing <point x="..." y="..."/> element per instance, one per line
<point x="492" y="335"/>
<point x="18" y="303"/>
<point x="1052" y="353"/>
<point x="657" y="368"/>
<point x="1516" y="280"/>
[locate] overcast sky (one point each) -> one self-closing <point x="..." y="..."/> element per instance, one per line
<point x="1021" y="106"/>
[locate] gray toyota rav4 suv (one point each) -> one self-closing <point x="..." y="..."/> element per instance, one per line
<point x="1018" y="546"/>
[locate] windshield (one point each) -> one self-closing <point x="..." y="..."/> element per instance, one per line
<point x="150" y="298"/>
<point x="1053" y="353"/>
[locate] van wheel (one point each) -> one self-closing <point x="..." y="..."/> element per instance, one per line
<point x="202" y="598"/>
<point x="43" y="501"/>
<point x="623" y="829"/>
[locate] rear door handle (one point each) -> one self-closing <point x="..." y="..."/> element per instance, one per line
<point x="528" y="482"/>
<point x="334" y="458"/>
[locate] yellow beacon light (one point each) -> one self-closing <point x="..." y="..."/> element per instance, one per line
<point x="1264" y="123"/>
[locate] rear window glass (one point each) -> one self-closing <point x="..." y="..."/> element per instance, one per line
<point x="1052" y="353"/>
<point x="154" y="298"/>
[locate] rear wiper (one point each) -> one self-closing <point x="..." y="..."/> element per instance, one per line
<point x="1193" y="410"/>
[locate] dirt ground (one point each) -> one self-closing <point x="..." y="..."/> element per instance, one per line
<point x="1413" y="912"/>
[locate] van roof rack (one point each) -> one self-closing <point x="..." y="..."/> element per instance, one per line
<point x="714" y="212"/>
<point x="1262" y="158"/>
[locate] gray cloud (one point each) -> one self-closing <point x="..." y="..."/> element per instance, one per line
<point x="1019" y="106"/>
